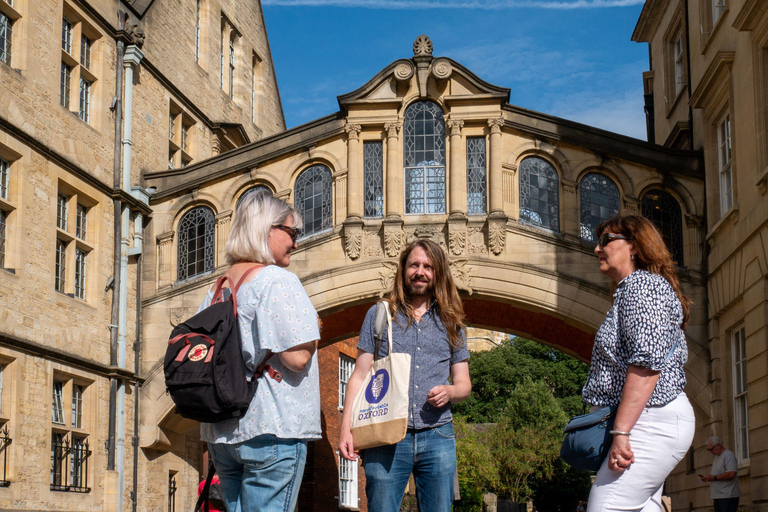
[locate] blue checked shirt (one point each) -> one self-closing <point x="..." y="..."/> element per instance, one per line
<point x="431" y="360"/>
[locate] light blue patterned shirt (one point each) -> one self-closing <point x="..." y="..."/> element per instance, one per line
<point x="275" y="314"/>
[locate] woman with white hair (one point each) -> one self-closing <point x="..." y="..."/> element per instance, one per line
<point x="260" y="457"/>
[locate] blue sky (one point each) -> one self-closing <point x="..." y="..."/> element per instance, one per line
<point x="569" y="58"/>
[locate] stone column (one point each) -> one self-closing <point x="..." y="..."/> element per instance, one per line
<point x="458" y="174"/>
<point x="495" y="176"/>
<point x="354" y="172"/>
<point x="395" y="191"/>
<point x="223" y="224"/>
<point x="164" y="255"/>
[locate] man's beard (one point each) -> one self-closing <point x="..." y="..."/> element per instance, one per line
<point x="426" y="291"/>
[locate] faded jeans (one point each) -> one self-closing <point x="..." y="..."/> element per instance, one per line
<point x="263" y="473"/>
<point x="429" y="454"/>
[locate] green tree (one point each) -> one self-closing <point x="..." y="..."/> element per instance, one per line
<point x="478" y="471"/>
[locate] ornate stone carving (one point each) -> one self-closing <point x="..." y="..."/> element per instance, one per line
<point x="422" y="46"/>
<point x="353" y="130"/>
<point x="136" y="33"/>
<point x="441" y="69"/>
<point x="462" y="277"/>
<point x="387" y="277"/>
<point x="495" y="124"/>
<point x="404" y="71"/>
<point x="455" y="126"/>
<point x="393" y="239"/>
<point x="353" y="239"/>
<point x="497" y="232"/>
<point x="372" y="244"/>
<point x="476" y="241"/>
<point x="457" y="237"/>
<point x="393" y="129"/>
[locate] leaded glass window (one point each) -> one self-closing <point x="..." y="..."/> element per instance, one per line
<point x="373" y="177"/>
<point x="80" y="273"/>
<point x="77" y="406"/>
<point x="313" y="200"/>
<point x="664" y="211"/>
<point x="196" y="242"/>
<point x="84" y="112"/>
<point x="85" y="52"/>
<point x="6" y="38"/>
<point x="58" y="402"/>
<point x="599" y="202"/>
<point x="81" y="222"/>
<point x="250" y="191"/>
<point x="61" y="266"/>
<point x="62" y="211"/>
<point x="740" y="394"/>
<point x="66" y="77"/>
<point x="539" y="196"/>
<point x="66" y="35"/>
<point x="5" y="178"/>
<point x="424" y="141"/>
<point x="477" y="185"/>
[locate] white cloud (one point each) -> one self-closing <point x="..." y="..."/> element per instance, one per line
<point x="458" y="4"/>
<point x="620" y="113"/>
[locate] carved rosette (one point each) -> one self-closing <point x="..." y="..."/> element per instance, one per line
<point x="387" y="277"/>
<point x="404" y="71"/>
<point x="497" y="233"/>
<point x="422" y="46"/>
<point x="393" y="239"/>
<point x="353" y="130"/>
<point x="353" y="240"/>
<point x="476" y="241"/>
<point x="372" y="244"/>
<point x="457" y="237"/>
<point x="461" y="272"/>
<point x="455" y="126"/>
<point x="441" y="69"/>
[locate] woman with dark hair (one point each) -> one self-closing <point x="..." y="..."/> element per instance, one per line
<point x="637" y="365"/>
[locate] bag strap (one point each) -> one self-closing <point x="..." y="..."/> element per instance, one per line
<point x="218" y="294"/>
<point x="378" y="328"/>
<point x="202" y="500"/>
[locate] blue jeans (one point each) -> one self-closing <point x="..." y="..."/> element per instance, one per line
<point x="263" y="473"/>
<point x="429" y="454"/>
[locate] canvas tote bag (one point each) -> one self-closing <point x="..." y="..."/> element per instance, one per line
<point x="380" y="409"/>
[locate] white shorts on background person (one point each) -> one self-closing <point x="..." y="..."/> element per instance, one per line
<point x="660" y="439"/>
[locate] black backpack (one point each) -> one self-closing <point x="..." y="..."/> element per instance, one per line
<point x="204" y="369"/>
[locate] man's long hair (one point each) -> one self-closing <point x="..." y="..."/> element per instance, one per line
<point x="450" y="307"/>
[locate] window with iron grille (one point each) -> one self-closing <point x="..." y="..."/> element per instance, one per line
<point x="249" y="191"/>
<point x="66" y="35"/>
<point x="59" y="450"/>
<point x="424" y="155"/>
<point x="81" y="222"/>
<point x="740" y="402"/>
<point x="80" y="273"/>
<point x="66" y="77"/>
<point x="172" y="488"/>
<point x="61" y="266"/>
<point x="196" y="243"/>
<point x="724" y="162"/>
<point x="373" y="178"/>
<point x="477" y="184"/>
<point x="599" y="202"/>
<point x="346" y="367"/>
<point x="5" y="441"/>
<point x="6" y="38"/>
<point x="313" y="199"/>
<point x="664" y="211"/>
<point x="78" y="465"/>
<point x="84" y="112"/>
<point x="69" y="462"/>
<point x="347" y="483"/>
<point x="539" y="197"/>
<point x="85" y="51"/>
<point x="58" y="402"/>
<point x="5" y="178"/>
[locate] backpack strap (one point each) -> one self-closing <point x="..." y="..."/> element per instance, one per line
<point x="276" y="375"/>
<point x="202" y="500"/>
<point x="218" y="294"/>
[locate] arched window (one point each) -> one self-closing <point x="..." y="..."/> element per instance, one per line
<point x="599" y="202"/>
<point x="664" y="211"/>
<point x="539" y="194"/>
<point x="196" y="242"/>
<point x="313" y="199"/>
<point x="249" y="191"/>
<point x="424" y="150"/>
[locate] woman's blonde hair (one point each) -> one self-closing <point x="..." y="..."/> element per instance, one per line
<point x="450" y="307"/>
<point x="652" y="254"/>
<point x="258" y="212"/>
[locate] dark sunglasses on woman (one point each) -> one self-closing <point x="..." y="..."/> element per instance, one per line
<point x="607" y="238"/>
<point x="292" y="232"/>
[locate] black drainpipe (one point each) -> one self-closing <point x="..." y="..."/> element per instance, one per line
<point x="688" y="62"/>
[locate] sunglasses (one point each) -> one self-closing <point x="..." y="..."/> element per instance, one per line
<point x="292" y="232"/>
<point x="607" y="238"/>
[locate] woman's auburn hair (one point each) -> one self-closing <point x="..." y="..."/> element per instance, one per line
<point x="652" y="254"/>
<point x="450" y="307"/>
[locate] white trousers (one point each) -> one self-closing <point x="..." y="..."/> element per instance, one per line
<point x="660" y="439"/>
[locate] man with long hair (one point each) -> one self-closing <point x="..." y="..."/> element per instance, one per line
<point x="428" y="324"/>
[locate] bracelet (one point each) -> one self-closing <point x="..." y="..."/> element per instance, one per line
<point x="619" y="433"/>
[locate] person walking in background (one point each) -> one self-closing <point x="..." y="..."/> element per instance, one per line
<point x="723" y="480"/>
<point x="428" y="324"/>
<point x="260" y="457"/>
<point x="637" y="365"/>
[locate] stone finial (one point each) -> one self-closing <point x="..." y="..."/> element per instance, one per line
<point x="422" y="46"/>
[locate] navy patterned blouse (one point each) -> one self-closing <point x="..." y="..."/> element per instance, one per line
<point x="640" y="329"/>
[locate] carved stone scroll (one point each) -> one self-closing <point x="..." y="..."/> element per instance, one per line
<point x="404" y="71"/>
<point x="441" y="69"/>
